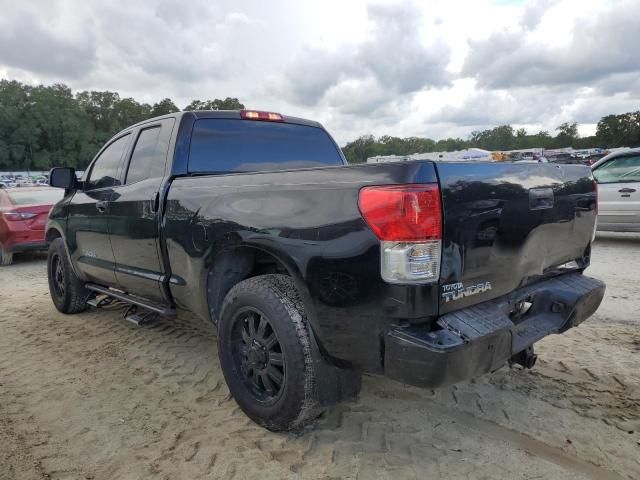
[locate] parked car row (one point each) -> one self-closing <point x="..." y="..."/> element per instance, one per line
<point x="575" y="158"/>
<point x="17" y="181"/>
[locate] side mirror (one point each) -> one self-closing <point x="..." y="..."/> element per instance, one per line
<point x="63" y="177"/>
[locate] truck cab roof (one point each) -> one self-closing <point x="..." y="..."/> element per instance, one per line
<point x="227" y="114"/>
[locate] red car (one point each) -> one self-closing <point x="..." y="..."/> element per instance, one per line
<point x="23" y="216"/>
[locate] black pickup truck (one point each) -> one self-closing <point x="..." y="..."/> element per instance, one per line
<point x="314" y="271"/>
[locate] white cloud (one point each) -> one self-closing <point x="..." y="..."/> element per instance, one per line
<point x="435" y="68"/>
<point x="597" y="48"/>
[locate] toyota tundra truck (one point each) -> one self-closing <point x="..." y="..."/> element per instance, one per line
<point x="314" y="271"/>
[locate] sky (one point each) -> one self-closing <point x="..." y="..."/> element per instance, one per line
<point x="405" y="68"/>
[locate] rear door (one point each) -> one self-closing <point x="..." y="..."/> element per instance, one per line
<point x="133" y="223"/>
<point x="619" y="193"/>
<point x="508" y="224"/>
<point x="89" y="210"/>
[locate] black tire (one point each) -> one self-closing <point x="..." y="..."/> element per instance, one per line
<point x="246" y="355"/>
<point x="67" y="291"/>
<point x="6" y="258"/>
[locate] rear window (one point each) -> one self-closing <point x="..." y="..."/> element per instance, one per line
<point x="37" y="197"/>
<point x="227" y="145"/>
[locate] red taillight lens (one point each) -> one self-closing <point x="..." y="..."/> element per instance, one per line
<point x="406" y="213"/>
<point x="16" y="216"/>
<point x="258" y="115"/>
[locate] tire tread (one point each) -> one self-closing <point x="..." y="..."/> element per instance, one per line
<point x="76" y="294"/>
<point x="282" y="289"/>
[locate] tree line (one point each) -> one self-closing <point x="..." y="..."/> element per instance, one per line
<point x="612" y="131"/>
<point x="45" y="126"/>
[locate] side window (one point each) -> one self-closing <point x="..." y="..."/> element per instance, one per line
<point x="104" y="172"/>
<point x="146" y="161"/>
<point x="619" y="170"/>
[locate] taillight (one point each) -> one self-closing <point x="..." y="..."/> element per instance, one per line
<point x="258" y="115"/>
<point x="17" y="216"/>
<point x="408" y="221"/>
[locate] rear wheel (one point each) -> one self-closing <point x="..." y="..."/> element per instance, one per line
<point x="67" y="291"/>
<point x="6" y="258"/>
<point x="265" y="352"/>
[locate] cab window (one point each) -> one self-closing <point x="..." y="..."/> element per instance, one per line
<point x="104" y="172"/>
<point x="146" y="161"/>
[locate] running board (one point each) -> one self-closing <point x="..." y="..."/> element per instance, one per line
<point x="163" y="310"/>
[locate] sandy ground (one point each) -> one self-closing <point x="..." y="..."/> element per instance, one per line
<point x="92" y="396"/>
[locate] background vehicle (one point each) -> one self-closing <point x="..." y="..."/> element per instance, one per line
<point x="7" y="181"/>
<point x="312" y="270"/>
<point x="566" y="159"/>
<point x="23" y="216"/>
<point x="593" y="158"/>
<point x="618" y="176"/>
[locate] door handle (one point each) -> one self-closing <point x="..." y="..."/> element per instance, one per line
<point x="627" y="190"/>
<point x="102" y="206"/>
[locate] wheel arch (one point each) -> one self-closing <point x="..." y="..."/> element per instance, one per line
<point x="232" y="265"/>
<point x="52" y="234"/>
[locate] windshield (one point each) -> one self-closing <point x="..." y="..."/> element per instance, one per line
<point x="37" y="197"/>
<point x="619" y="170"/>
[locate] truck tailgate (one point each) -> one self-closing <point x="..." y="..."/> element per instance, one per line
<point x="507" y="225"/>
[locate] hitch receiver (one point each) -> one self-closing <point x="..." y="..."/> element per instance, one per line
<point x="526" y="358"/>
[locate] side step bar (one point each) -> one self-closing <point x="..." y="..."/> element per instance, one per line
<point x="163" y="310"/>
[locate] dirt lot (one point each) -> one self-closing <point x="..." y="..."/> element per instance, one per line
<point x="92" y="396"/>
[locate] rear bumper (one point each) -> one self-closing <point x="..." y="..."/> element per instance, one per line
<point x="16" y="237"/>
<point x="482" y="338"/>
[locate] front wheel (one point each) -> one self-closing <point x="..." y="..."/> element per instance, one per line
<point x="265" y="352"/>
<point x="67" y="291"/>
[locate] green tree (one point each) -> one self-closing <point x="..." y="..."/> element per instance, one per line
<point x="567" y="134"/>
<point x="361" y="148"/>
<point x="18" y="130"/>
<point x="619" y="130"/>
<point x="61" y="125"/>
<point x="163" y="107"/>
<point x="217" y="104"/>
<point x="498" y="138"/>
<point x="128" y="111"/>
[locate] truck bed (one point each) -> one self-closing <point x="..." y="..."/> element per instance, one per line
<point x="504" y="226"/>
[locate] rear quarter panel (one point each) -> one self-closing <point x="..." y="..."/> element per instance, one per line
<point x="309" y="219"/>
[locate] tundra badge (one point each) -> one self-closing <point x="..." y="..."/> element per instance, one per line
<point x="456" y="291"/>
